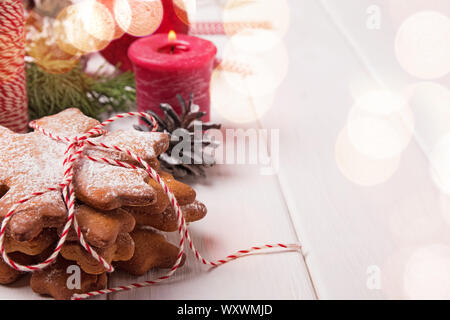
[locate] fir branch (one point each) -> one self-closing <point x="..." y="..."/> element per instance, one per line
<point x="50" y="93"/>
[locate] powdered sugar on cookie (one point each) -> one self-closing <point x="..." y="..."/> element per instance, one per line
<point x="33" y="162"/>
<point x="146" y="145"/>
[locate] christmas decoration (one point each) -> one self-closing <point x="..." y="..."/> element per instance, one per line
<point x="116" y="52"/>
<point x="107" y="229"/>
<point x="13" y="98"/>
<point x="49" y="93"/>
<point x="191" y="161"/>
<point x="57" y="80"/>
<point x="42" y="45"/>
<point x="168" y="64"/>
<point x="97" y="151"/>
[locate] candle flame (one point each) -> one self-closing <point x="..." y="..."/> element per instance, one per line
<point x="172" y="35"/>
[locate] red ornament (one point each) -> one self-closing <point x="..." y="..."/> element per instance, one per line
<point x="116" y="51"/>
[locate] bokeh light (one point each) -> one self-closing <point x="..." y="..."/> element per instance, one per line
<point x="109" y="4"/>
<point x="359" y="168"/>
<point x="268" y="65"/>
<point x="185" y="10"/>
<point x="240" y="15"/>
<point x="380" y="124"/>
<point x="440" y="164"/>
<point x="97" y="20"/>
<point x="138" y="17"/>
<point x="238" y="107"/>
<point x="61" y="28"/>
<point x="422" y="45"/>
<point x="427" y="273"/>
<point x="85" y="27"/>
<point x="399" y="10"/>
<point x="430" y="103"/>
<point x="255" y="41"/>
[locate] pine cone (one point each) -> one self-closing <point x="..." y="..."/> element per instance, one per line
<point x="184" y="162"/>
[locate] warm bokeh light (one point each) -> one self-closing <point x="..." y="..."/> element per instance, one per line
<point x="237" y="106"/>
<point x="255" y="41"/>
<point x="427" y="273"/>
<point x="440" y="164"/>
<point x="62" y="27"/>
<point x="42" y="48"/>
<point x="359" y="168"/>
<point x="380" y="124"/>
<point x="430" y="103"/>
<point x="138" y="17"/>
<point x="268" y="67"/>
<point x="422" y="45"/>
<point x="240" y="15"/>
<point x="97" y="20"/>
<point x="360" y="83"/>
<point x="84" y="27"/>
<point x="109" y="4"/>
<point x="185" y="10"/>
<point x="399" y="10"/>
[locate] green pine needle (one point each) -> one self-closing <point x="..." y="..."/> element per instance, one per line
<point x="51" y="93"/>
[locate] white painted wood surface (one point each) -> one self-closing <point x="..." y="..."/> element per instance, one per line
<point x="398" y="229"/>
<point x="348" y="230"/>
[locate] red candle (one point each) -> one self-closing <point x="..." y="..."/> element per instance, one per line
<point x="165" y="68"/>
<point x="116" y="51"/>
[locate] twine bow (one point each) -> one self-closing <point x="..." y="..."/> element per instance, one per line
<point x="74" y="152"/>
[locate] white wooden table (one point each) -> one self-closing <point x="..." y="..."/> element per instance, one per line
<point x="385" y="240"/>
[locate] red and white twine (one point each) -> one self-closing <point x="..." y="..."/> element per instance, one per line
<point x="13" y="95"/>
<point x="226" y="28"/>
<point x="74" y="152"/>
<point x="234" y="67"/>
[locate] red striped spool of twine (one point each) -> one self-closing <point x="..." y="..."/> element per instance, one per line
<point x="13" y="94"/>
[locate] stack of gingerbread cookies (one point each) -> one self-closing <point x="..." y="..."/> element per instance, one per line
<point x="122" y="213"/>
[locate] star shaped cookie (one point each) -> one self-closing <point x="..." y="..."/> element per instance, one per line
<point x="33" y="162"/>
